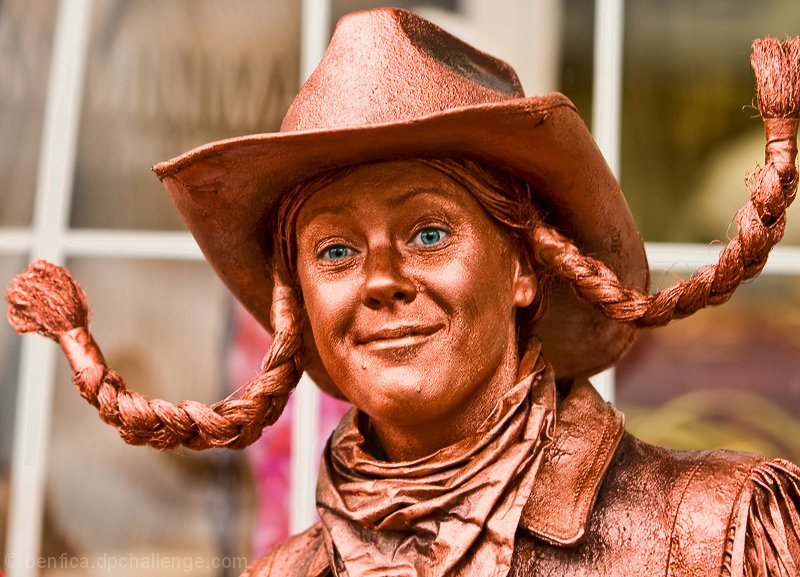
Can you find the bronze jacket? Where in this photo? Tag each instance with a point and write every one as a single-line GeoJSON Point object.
{"type": "Point", "coordinates": [606, 503]}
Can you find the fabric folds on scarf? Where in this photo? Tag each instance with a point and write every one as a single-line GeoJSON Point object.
{"type": "Point", "coordinates": [454, 512]}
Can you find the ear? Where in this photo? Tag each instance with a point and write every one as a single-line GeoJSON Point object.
{"type": "Point", "coordinates": [525, 285]}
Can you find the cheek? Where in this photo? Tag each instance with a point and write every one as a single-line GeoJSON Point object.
{"type": "Point", "coordinates": [478, 289]}
{"type": "Point", "coordinates": [328, 304]}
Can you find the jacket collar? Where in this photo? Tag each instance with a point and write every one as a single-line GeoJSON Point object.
{"type": "Point", "coordinates": [587, 433]}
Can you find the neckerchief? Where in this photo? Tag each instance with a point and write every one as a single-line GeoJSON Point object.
{"type": "Point", "coordinates": [454, 512]}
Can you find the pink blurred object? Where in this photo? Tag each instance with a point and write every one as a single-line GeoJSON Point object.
{"type": "Point", "coordinates": [270, 456]}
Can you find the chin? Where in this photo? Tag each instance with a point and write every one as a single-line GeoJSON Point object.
{"type": "Point", "coordinates": [401, 397]}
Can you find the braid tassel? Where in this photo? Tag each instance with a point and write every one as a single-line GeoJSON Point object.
{"type": "Point", "coordinates": [46, 299]}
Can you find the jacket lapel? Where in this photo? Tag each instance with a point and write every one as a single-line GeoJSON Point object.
{"type": "Point", "coordinates": [587, 433]}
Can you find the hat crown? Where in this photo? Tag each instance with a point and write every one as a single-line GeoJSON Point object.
{"type": "Point", "coordinates": [390, 65]}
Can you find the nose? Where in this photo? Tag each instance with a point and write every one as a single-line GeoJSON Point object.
{"type": "Point", "coordinates": [385, 282]}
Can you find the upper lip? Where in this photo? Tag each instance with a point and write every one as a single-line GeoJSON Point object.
{"type": "Point", "coordinates": [395, 332]}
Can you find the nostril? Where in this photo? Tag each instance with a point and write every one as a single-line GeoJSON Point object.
{"type": "Point", "coordinates": [387, 291]}
{"type": "Point", "coordinates": [376, 299]}
{"type": "Point", "coordinates": [372, 302]}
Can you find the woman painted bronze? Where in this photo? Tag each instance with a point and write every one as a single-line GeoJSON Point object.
{"type": "Point", "coordinates": [455, 259]}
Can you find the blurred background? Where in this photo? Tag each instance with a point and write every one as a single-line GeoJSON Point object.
{"type": "Point", "coordinates": [165, 76]}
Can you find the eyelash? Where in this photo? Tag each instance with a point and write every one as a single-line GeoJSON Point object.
{"type": "Point", "coordinates": [442, 234]}
{"type": "Point", "coordinates": [325, 253]}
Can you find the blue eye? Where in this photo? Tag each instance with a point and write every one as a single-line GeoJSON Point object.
{"type": "Point", "coordinates": [336, 252]}
{"type": "Point", "coordinates": [429, 236]}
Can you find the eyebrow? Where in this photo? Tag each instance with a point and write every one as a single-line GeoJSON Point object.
{"type": "Point", "coordinates": [395, 201]}
{"type": "Point", "coordinates": [416, 191]}
{"type": "Point", "coordinates": [334, 208]}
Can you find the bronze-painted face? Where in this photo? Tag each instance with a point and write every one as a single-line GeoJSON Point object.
{"type": "Point", "coordinates": [411, 291]}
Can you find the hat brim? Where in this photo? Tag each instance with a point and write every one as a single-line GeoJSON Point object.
{"type": "Point", "coordinates": [226, 192]}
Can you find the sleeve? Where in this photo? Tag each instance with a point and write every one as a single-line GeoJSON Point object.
{"type": "Point", "coordinates": [764, 535]}
{"type": "Point", "coordinates": [300, 556]}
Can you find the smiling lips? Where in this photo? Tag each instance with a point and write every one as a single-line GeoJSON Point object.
{"type": "Point", "coordinates": [396, 337]}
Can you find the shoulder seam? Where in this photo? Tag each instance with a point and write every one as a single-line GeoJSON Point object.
{"type": "Point", "coordinates": [673, 539]}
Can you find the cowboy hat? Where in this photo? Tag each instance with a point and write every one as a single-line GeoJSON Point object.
{"type": "Point", "coordinates": [392, 85]}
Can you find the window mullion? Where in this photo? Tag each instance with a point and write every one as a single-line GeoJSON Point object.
{"type": "Point", "coordinates": [606, 110]}
{"type": "Point", "coordinates": [314, 36]}
{"type": "Point", "coordinates": [51, 212]}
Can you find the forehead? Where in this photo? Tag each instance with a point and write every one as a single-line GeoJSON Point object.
{"type": "Point", "coordinates": [389, 185]}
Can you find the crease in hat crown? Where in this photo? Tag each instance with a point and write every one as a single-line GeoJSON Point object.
{"type": "Point", "coordinates": [389, 65]}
